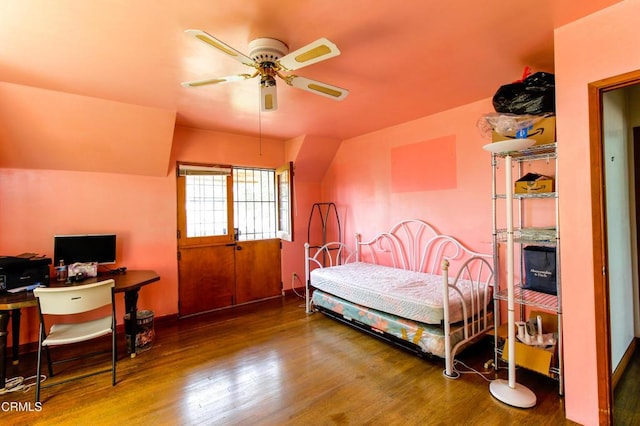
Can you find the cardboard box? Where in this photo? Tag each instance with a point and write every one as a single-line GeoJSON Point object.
{"type": "Point", "coordinates": [535, 358]}
{"type": "Point", "coordinates": [533, 183]}
{"type": "Point", "coordinates": [543, 131]}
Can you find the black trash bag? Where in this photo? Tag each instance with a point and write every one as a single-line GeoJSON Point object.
{"type": "Point", "coordinates": [535, 95]}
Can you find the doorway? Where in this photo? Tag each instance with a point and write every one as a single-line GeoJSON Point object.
{"type": "Point", "coordinates": [228, 223]}
{"type": "Point", "coordinates": [602, 159]}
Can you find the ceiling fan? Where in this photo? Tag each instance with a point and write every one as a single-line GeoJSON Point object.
{"type": "Point", "coordinates": [271, 58]}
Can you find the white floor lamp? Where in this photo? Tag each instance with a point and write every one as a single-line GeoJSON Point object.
{"type": "Point", "coordinates": [508, 391]}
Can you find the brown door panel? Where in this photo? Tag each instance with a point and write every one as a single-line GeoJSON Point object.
{"type": "Point", "coordinates": [207, 278]}
{"type": "Point", "coordinates": [258, 271]}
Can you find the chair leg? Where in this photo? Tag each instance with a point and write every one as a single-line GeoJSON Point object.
{"type": "Point", "coordinates": [114, 341]}
{"type": "Point", "coordinates": [38, 367]}
{"type": "Point", "coordinates": [114, 355]}
{"type": "Point", "coordinates": [49, 363]}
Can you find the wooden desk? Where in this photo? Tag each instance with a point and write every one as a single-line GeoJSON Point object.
{"type": "Point", "coordinates": [128, 283]}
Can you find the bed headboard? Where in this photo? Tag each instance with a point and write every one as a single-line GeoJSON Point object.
{"type": "Point", "coordinates": [413, 245]}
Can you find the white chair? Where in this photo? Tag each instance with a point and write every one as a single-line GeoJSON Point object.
{"type": "Point", "coordinates": [70, 301]}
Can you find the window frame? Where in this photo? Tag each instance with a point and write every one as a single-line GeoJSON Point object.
{"type": "Point", "coordinates": [284, 202]}
{"type": "Point", "coordinates": [255, 201]}
{"type": "Point", "coordinates": [183, 240]}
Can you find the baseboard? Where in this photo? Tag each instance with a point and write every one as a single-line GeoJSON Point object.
{"type": "Point", "coordinates": [296, 291]}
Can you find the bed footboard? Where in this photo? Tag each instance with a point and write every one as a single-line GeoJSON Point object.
{"type": "Point", "coordinates": [477, 273]}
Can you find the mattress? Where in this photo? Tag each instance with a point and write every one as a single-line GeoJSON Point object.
{"type": "Point", "coordinates": [412, 295]}
{"type": "Point", "coordinates": [429, 337]}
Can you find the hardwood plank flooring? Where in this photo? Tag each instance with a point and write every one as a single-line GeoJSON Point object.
{"type": "Point", "coordinates": [271, 364]}
{"type": "Point", "coordinates": [626, 405]}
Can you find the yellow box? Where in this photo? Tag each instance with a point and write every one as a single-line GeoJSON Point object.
{"type": "Point", "coordinates": [543, 131]}
{"type": "Point", "coordinates": [533, 183]}
{"type": "Point", "coordinates": [538, 359]}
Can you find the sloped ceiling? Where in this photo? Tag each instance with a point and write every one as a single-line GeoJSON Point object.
{"type": "Point", "coordinates": [400, 60]}
{"type": "Point", "coordinates": [45, 129]}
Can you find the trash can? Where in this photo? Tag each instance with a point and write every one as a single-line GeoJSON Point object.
{"type": "Point", "coordinates": [145, 332]}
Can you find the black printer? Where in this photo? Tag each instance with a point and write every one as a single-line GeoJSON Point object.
{"type": "Point", "coordinates": [21, 273]}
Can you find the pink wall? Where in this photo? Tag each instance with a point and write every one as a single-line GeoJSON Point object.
{"type": "Point", "coordinates": [359, 180]}
{"type": "Point", "coordinates": [311, 156]}
{"type": "Point", "coordinates": [602, 45]}
{"type": "Point", "coordinates": [304, 195]}
{"type": "Point", "coordinates": [224, 148]}
{"type": "Point", "coordinates": [37, 204]}
{"type": "Point", "coordinates": [141, 210]}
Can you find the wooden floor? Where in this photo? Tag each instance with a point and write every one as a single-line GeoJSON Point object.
{"type": "Point", "coordinates": [272, 364]}
{"type": "Point", "coordinates": [626, 408]}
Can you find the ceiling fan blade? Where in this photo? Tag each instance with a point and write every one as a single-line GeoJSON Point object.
{"type": "Point", "coordinates": [222, 47]}
{"type": "Point", "coordinates": [317, 87]}
{"type": "Point", "coordinates": [218, 80]}
{"type": "Point", "coordinates": [317, 51]}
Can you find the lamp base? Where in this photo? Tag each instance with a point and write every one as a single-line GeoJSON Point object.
{"type": "Point", "coordinates": [520, 396]}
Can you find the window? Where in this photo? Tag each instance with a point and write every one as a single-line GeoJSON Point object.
{"type": "Point", "coordinates": [254, 203]}
{"type": "Point", "coordinates": [284, 186]}
{"type": "Point", "coordinates": [224, 203]}
{"type": "Point", "coordinates": [206, 206]}
{"type": "Point", "coordinates": [204, 193]}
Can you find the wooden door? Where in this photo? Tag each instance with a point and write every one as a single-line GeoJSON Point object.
{"type": "Point", "coordinates": [258, 271]}
{"type": "Point", "coordinates": [215, 270]}
{"type": "Point", "coordinates": [218, 276]}
{"type": "Point", "coordinates": [207, 278]}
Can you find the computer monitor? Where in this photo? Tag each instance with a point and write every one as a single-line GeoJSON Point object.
{"type": "Point", "coordinates": [99, 248]}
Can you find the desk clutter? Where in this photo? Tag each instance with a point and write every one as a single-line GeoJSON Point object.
{"type": "Point", "coordinates": [140, 331]}
{"type": "Point", "coordinates": [27, 271]}
{"type": "Point", "coordinates": [76, 271]}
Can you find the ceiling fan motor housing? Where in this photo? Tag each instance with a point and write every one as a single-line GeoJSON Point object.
{"type": "Point", "coordinates": [264, 50]}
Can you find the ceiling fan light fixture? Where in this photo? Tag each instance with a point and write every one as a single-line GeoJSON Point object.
{"type": "Point", "coordinates": [268, 93]}
{"type": "Point", "coordinates": [267, 80]}
{"type": "Point", "coordinates": [269, 102]}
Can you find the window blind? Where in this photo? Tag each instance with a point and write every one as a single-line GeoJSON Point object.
{"type": "Point", "coordinates": [192, 170]}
